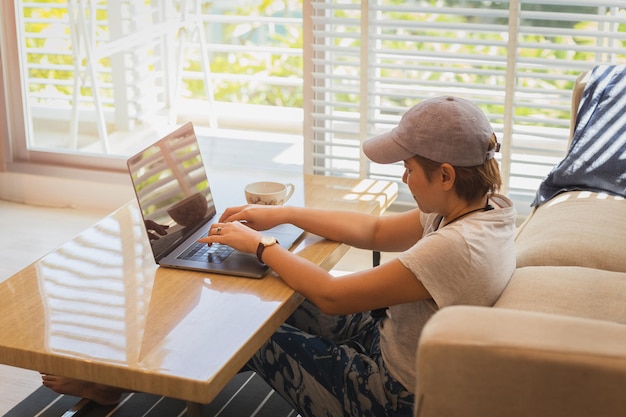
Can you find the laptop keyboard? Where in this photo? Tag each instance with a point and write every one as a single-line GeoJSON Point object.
{"type": "Point", "coordinates": [214, 254]}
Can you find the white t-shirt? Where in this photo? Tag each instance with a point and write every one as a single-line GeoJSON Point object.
{"type": "Point", "coordinates": [466, 262]}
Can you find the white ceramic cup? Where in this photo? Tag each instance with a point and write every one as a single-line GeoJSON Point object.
{"type": "Point", "coordinates": [268, 193]}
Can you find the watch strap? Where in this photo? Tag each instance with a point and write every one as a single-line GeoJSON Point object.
{"type": "Point", "coordinates": [261, 248]}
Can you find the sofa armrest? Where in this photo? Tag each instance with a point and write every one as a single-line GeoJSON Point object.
{"type": "Point", "coordinates": [485, 362]}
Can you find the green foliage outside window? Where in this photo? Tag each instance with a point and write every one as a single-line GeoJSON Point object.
{"type": "Point", "coordinates": [51, 63]}
{"type": "Point", "coordinates": [257, 64]}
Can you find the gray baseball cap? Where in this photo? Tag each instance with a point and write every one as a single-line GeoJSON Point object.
{"type": "Point", "coordinates": [442, 129]}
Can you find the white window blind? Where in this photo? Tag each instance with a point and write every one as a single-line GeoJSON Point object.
{"type": "Point", "coordinates": [367, 62]}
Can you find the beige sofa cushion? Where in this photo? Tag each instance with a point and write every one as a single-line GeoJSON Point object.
{"type": "Point", "coordinates": [568, 290]}
{"type": "Point", "coordinates": [578, 228]}
{"type": "Point", "coordinates": [494, 362]}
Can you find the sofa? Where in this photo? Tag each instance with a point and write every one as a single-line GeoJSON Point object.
{"type": "Point", "coordinates": [554, 344]}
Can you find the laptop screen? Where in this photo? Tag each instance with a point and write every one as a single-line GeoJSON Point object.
{"type": "Point", "coordinates": [172, 189]}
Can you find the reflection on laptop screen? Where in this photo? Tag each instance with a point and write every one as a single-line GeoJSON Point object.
{"type": "Point", "coordinates": [172, 189]}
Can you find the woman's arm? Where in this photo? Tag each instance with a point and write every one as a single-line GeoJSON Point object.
{"type": "Point", "coordinates": [390, 233]}
{"type": "Point", "coordinates": [388, 284]}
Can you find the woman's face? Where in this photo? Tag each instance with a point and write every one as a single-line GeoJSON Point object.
{"type": "Point", "coordinates": [423, 190]}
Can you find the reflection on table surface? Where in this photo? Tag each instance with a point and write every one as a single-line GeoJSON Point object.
{"type": "Point", "coordinates": [98, 307]}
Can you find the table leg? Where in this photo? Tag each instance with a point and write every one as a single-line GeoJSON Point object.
{"type": "Point", "coordinates": [379, 312]}
{"type": "Point", "coordinates": [194, 409]}
{"type": "Point", "coordinates": [375, 258]}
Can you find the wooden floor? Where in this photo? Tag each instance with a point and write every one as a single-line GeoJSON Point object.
{"type": "Point", "coordinates": [28, 233]}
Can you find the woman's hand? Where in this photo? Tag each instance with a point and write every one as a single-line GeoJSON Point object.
{"type": "Point", "coordinates": [234, 234]}
{"type": "Point", "coordinates": [258, 217]}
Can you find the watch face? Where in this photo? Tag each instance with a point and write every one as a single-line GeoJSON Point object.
{"type": "Point", "coordinates": [267, 241]}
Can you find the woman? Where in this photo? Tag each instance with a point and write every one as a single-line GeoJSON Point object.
{"type": "Point", "coordinates": [332, 357]}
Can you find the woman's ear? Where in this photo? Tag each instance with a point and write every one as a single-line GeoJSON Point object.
{"type": "Point", "coordinates": [448, 176]}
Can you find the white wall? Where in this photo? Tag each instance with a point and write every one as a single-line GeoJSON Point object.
{"type": "Point", "coordinates": [74, 192]}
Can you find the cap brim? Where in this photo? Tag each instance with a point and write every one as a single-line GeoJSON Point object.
{"type": "Point", "coordinates": [384, 149]}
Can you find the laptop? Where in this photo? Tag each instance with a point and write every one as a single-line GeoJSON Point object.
{"type": "Point", "coordinates": [178, 208]}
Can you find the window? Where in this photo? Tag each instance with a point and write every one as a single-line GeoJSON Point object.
{"type": "Point", "coordinates": [327, 73]}
{"type": "Point", "coordinates": [368, 62]}
{"type": "Point", "coordinates": [99, 78]}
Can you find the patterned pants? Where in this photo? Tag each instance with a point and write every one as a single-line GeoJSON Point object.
{"type": "Point", "coordinates": [331, 366]}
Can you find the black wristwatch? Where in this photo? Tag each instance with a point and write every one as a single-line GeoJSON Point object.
{"type": "Point", "coordinates": [264, 243]}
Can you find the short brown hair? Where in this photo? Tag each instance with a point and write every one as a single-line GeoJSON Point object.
{"type": "Point", "coordinates": [471, 182]}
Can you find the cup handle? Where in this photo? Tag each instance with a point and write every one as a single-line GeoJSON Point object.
{"type": "Point", "coordinates": [290, 189]}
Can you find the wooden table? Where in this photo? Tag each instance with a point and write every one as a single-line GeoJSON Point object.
{"type": "Point", "coordinates": [99, 309]}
